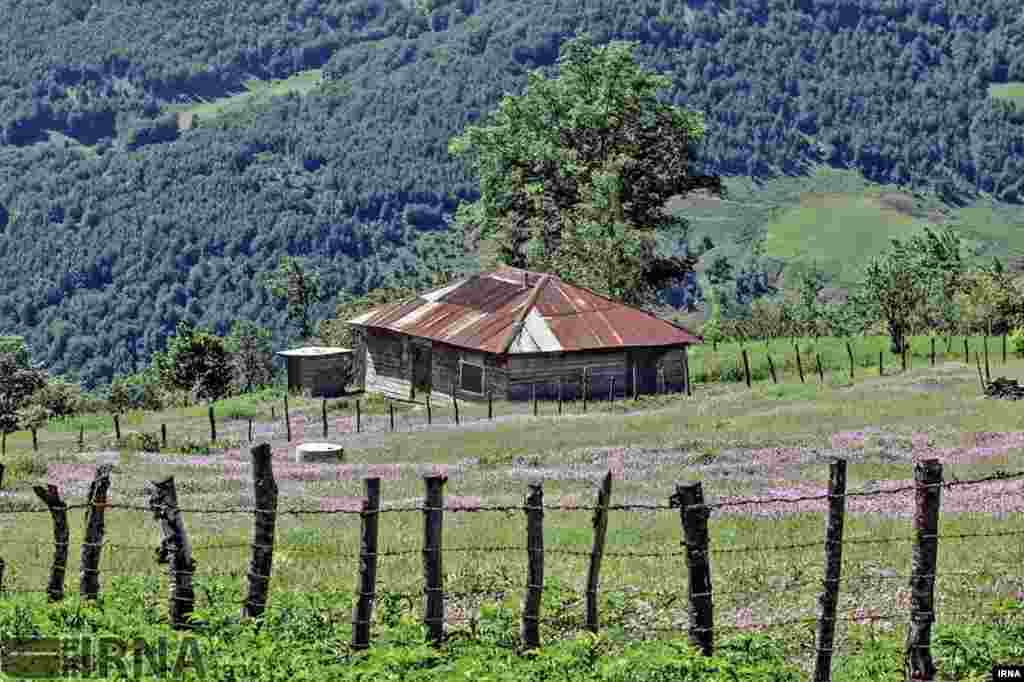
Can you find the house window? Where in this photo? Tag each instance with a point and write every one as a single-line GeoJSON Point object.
{"type": "Point", "coordinates": [471, 375]}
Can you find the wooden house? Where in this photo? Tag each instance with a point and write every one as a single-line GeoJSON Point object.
{"type": "Point", "coordinates": [511, 332]}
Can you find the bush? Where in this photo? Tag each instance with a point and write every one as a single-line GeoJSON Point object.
{"type": "Point", "coordinates": [1017, 341]}
{"type": "Point", "coordinates": [62, 398]}
{"type": "Point", "coordinates": [141, 442]}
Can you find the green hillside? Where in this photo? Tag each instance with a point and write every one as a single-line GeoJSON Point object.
{"type": "Point", "coordinates": [323, 132]}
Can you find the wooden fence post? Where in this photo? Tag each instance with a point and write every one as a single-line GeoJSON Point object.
{"type": "Point", "coordinates": [250, 429]}
{"type": "Point", "coordinates": [163, 435]}
{"type": "Point", "coordinates": [988, 375]}
{"type": "Point", "coordinates": [829, 596]}
{"type": "Point", "coordinates": [686, 371]}
{"type": "Point", "coordinates": [175, 550]}
{"type": "Point", "coordinates": [771, 368]}
{"type": "Point", "coordinates": [799, 364]}
{"type": "Point", "coordinates": [967, 353]}
{"type": "Point", "coordinates": [391, 414]}
{"type": "Point", "coordinates": [89, 580]}
{"type": "Point", "coordinates": [918, 663]}
{"type": "Point", "coordinates": [600, 524]}
{"type": "Point", "coordinates": [746, 367]}
{"type": "Point", "coordinates": [689, 497]}
{"type": "Point", "coordinates": [81, 437]}
{"type": "Point", "coordinates": [611, 391]}
{"type": "Point", "coordinates": [213, 424]}
{"type": "Point", "coordinates": [534, 508]}
{"type": "Point", "coordinates": [359, 417]}
{"type": "Point", "coordinates": [584, 386]}
{"type": "Point", "coordinates": [323, 413]}
{"type": "Point", "coordinates": [1004, 348]}
{"type": "Point", "coordinates": [490, 404]}
{"type": "Point", "coordinates": [264, 521]}
{"type": "Point", "coordinates": [433, 577]}
{"type": "Point", "coordinates": [849, 351]}
{"type": "Point", "coordinates": [117, 427]}
{"type": "Point", "coordinates": [636, 387]}
{"type": "Point", "coordinates": [273, 414]}
{"type": "Point", "coordinates": [1, 476]}
{"type": "Point", "coordinates": [821, 374]}
{"type": "Point", "coordinates": [429, 417]}
{"type": "Point", "coordinates": [50, 496]}
{"type": "Point", "coordinates": [880, 371]}
{"type": "Point", "coordinates": [533, 389]}
{"type": "Point", "coordinates": [2, 576]}
{"type": "Point", "coordinates": [662, 388]}
{"type": "Point", "coordinates": [455, 404]}
{"type": "Point", "coordinates": [933, 352]}
{"type": "Point", "coordinates": [559, 396]}
{"type": "Point", "coordinates": [981, 380]}
{"type": "Point", "coordinates": [288, 419]}
{"type": "Point", "coordinates": [366, 586]}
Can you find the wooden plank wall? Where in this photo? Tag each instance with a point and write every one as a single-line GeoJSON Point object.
{"type": "Point", "coordinates": [388, 365]}
{"type": "Point", "coordinates": [322, 376]}
{"type": "Point", "coordinates": [545, 370]}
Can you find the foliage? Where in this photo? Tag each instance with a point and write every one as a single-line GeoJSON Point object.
{"type": "Point", "coordinates": [119, 398]}
{"type": "Point", "coordinates": [196, 361]}
{"type": "Point", "coordinates": [140, 441]}
{"type": "Point", "coordinates": [1016, 340]}
{"type": "Point", "coordinates": [252, 355]}
{"type": "Point", "coordinates": [61, 397]}
{"type": "Point", "coordinates": [33, 416]}
{"type": "Point", "coordinates": [17, 385]}
{"type": "Point", "coordinates": [574, 173]}
{"type": "Point", "coordinates": [299, 287]}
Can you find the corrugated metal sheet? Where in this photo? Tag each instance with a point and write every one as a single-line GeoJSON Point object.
{"type": "Point", "coordinates": [479, 313]}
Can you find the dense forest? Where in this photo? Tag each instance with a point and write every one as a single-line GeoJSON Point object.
{"type": "Point", "coordinates": [115, 225]}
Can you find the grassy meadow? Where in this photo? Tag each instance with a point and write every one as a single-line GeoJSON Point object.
{"type": "Point", "coordinates": [256, 92]}
{"type": "Point", "coordinates": [771, 441]}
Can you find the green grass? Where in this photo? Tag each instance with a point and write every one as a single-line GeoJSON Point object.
{"type": "Point", "coordinates": [718, 431]}
{"type": "Point", "coordinates": [257, 92]}
{"type": "Point", "coordinates": [1010, 92]}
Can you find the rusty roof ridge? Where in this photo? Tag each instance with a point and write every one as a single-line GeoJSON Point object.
{"type": "Point", "coordinates": [517, 326]}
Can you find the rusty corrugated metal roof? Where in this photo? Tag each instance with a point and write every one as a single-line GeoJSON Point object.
{"type": "Point", "coordinates": [480, 312]}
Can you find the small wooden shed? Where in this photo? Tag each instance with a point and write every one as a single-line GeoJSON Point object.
{"type": "Point", "coordinates": [511, 331]}
{"type": "Point", "coordinates": [323, 370]}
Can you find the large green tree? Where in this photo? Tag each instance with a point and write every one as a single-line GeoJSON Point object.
{"type": "Point", "coordinates": [575, 173]}
{"type": "Point", "coordinates": [252, 354]}
{"type": "Point", "coordinates": [196, 361]}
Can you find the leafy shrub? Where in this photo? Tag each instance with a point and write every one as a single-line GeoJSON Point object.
{"type": "Point", "coordinates": [139, 441]}
{"type": "Point", "coordinates": [62, 398]}
{"type": "Point", "coordinates": [1017, 341]}
{"type": "Point", "coordinates": [193, 447]}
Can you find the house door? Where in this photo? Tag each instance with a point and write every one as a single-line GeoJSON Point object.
{"type": "Point", "coordinates": [421, 360]}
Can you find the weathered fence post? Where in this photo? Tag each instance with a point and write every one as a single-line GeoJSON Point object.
{"type": "Point", "coordinates": [1, 476]}
{"type": "Point", "coordinates": [250, 429]}
{"type": "Point", "coordinates": [880, 371]}
{"type": "Point", "coordinates": [799, 364]}
{"type": "Point", "coordinates": [490, 404]}
{"type": "Point", "coordinates": [662, 388]}
{"type": "Point", "coordinates": [175, 551]}
{"type": "Point", "coordinates": [636, 386]}
{"type": "Point", "coordinates": [367, 584]}
{"type": "Point", "coordinates": [2, 564]}
{"type": "Point", "coordinates": [849, 351]}
{"type": "Point", "coordinates": [1004, 348]}
{"type": "Point", "coordinates": [600, 524]}
{"type": "Point", "coordinates": [686, 371]}
{"type": "Point", "coordinates": [829, 596]}
{"type": "Point", "coordinates": [359, 417]}
{"type": "Point", "coordinates": [89, 579]}
{"type": "Point", "coordinates": [821, 374]}
{"type": "Point", "coordinates": [455, 404]}
{"type": "Point", "coordinates": [117, 427]}
{"type": "Point", "coordinates": [559, 396]}
{"type": "Point", "coordinates": [391, 414]}
{"type": "Point", "coordinates": [163, 435]}
{"type": "Point", "coordinates": [533, 389]}
{"type": "Point", "coordinates": [534, 508]}
{"type": "Point", "coordinates": [429, 416]}
{"type": "Point", "coordinates": [771, 368]}
{"type": "Point", "coordinates": [433, 577]}
{"type": "Point", "coordinates": [288, 419]}
{"type": "Point", "coordinates": [584, 386]}
{"type": "Point", "coordinates": [213, 424]}
{"type": "Point", "coordinates": [264, 521]}
{"type": "Point", "coordinates": [273, 414]}
{"type": "Point", "coordinates": [50, 496]}
{"type": "Point", "coordinates": [746, 367]}
{"type": "Point", "coordinates": [689, 497]}
{"type": "Point", "coordinates": [981, 380]}
{"type": "Point", "coordinates": [967, 353]}
{"type": "Point", "coordinates": [611, 391]}
{"type": "Point", "coordinates": [918, 663]}
{"type": "Point", "coordinates": [323, 414]}
{"type": "Point", "coordinates": [988, 375]}
{"type": "Point", "coordinates": [81, 437]}
{"type": "Point", "coordinates": [933, 352]}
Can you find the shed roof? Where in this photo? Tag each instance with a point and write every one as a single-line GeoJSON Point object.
{"type": "Point", "coordinates": [314, 351]}
{"type": "Point", "coordinates": [519, 311]}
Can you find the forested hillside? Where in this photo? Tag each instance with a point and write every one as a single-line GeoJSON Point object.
{"type": "Point", "coordinates": [115, 224]}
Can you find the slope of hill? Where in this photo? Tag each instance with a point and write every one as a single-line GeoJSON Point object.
{"type": "Point", "coordinates": [104, 248]}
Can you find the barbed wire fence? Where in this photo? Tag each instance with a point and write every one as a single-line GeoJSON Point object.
{"type": "Point", "coordinates": [692, 613]}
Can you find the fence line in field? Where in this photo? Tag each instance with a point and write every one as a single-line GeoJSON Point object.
{"type": "Point", "coordinates": [687, 500]}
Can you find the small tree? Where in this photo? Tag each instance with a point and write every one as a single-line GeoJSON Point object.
{"type": "Point", "coordinates": [300, 287]}
{"type": "Point", "coordinates": [251, 354]}
{"type": "Point", "coordinates": [17, 384]}
{"type": "Point", "coordinates": [33, 416]}
{"type": "Point", "coordinates": [196, 361]}
{"type": "Point", "coordinates": [61, 397]}
{"type": "Point", "coordinates": [120, 399]}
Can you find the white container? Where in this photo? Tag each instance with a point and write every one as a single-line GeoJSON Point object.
{"type": "Point", "coordinates": [319, 452]}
